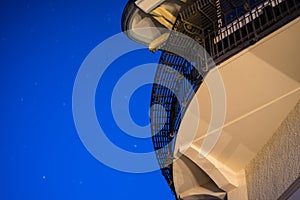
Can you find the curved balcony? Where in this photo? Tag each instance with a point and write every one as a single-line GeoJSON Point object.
{"type": "Point", "coordinates": [224, 28]}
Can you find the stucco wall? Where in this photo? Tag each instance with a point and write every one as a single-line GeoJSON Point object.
{"type": "Point", "coordinates": [277, 165]}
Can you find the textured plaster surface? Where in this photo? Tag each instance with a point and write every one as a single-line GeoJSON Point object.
{"type": "Point", "coordinates": [277, 165]}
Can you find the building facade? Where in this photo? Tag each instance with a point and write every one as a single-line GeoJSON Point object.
{"type": "Point", "coordinates": [229, 82]}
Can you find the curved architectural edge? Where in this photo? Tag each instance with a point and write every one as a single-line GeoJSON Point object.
{"type": "Point", "coordinates": [159, 15]}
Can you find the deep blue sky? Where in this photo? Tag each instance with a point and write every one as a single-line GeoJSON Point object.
{"type": "Point", "coordinates": [42, 45]}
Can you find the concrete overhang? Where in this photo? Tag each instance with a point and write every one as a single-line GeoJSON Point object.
{"type": "Point", "coordinates": [262, 85]}
{"type": "Point", "coordinates": [149, 21]}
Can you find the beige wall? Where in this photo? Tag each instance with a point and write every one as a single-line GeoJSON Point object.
{"type": "Point", "coordinates": [277, 165]}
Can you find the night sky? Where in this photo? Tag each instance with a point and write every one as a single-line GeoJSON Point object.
{"type": "Point", "coordinates": [42, 46]}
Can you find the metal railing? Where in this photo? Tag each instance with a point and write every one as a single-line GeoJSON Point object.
{"type": "Point", "coordinates": [165, 122]}
{"type": "Point", "coordinates": [225, 27]}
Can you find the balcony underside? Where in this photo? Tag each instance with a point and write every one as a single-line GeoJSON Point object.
{"type": "Point", "coordinates": [262, 86]}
